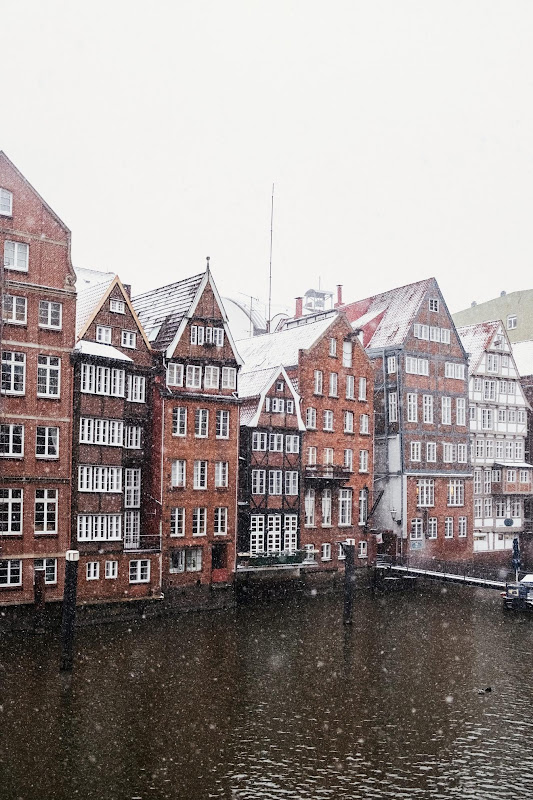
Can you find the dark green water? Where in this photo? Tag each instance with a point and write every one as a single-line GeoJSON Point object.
{"type": "Point", "coordinates": [278, 701]}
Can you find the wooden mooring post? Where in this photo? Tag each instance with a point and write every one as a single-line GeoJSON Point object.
{"type": "Point", "coordinates": [68, 620]}
{"type": "Point", "coordinates": [349, 581]}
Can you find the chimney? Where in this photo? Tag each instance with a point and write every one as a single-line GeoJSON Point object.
{"type": "Point", "coordinates": [299, 306]}
{"type": "Point", "coordinates": [127, 289]}
{"type": "Point", "coordinates": [339, 295]}
{"type": "Point", "coordinates": [502, 294]}
{"type": "Point", "coordinates": [473, 303]}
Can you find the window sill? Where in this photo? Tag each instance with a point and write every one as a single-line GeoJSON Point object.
{"type": "Point", "coordinates": [50, 328]}
{"type": "Point", "coordinates": [16, 457]}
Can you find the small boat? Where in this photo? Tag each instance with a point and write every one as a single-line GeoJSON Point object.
{"type": "Point", "coordinates": [520, 594]}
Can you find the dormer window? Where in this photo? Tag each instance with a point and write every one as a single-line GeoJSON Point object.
{"type": "Point", "coordinates": [118, 306]}
{"type": "Point", "coordinates": [197, 334]}
{"type": "Point", "coordinates": [433, 304]}
{"type": "Point", "coordinates": [280, 385]}
{"type": "Point", "coordinates": [6, 202]}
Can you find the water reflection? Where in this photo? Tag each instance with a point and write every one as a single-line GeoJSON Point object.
{"type": "Point", "coordinates": [277, 701]}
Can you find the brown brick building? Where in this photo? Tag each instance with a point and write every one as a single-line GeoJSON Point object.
{"type": "Point", "coordinates": [37, 337]}
{"type": "Point", "coordinates": [421, 433]}
{"type": "Point", "coordinates": [334, 379]}
{"type": "Point", "coordinates": [112, 510]}
{"type": "Point", "coordinates": [195, 431]}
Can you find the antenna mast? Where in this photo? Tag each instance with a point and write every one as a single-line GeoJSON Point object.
{"type": "Point", "coordinates": [270, 265]}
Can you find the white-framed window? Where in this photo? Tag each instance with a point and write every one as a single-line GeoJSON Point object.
{"type": "Point", "coordinates": [425, 489]}
{"type": "Point", "coordinates": [11, 511]}
{"type": "Point", "coordinates": [200, 475]}
{"type": "Point", "coordinates": [136, 389]}
{"type": "Point", "coordinates": [259, 441]}
{"type": "Point", "coordinates": [45, 520]}
{"type": "Point", "coordinates": [257, 534]}
{"type": "Point", "coordinates": [328, 420]}
{"type": "Point", "coordinates": [178, 476]}
{"type": "Point", "coordinates": [177, 521]}
{"type": "Point", "coordinates": [92, 570]}
{"type": "Point", "coordinates": [221, 474]}
{"type": "Point", "coordinates": [350, 387]}
{"type": "Point", "coordinates": [427, 409]}
{"type": "Point", "coordinates": [193, 377]}
{"type": "Point", "coordinates": [460, 411]}
{"type": "Point", "coordinates": [362, 549]}
{"type": "Point", "coordinates": [362, 388]}
{"type": "Point", "coordinates": [433, 304]}
{"type": "Point", "coordinates": [326, 508]}
{"type": "Point", "coordinates": [348, 422]}
{"type": "Point", "coordinates": [363, 506]}
{"type": "Point", "coordinates": [348, 459]}
{"type": "Point", "coordinates": [6, 202]}
{"type": "Point", "coordinates": [462, 453]}
{"type": "Point", "coordinates": [48, 376]}
{"type": "Point", "coordinates": [211, 377]}
{"type": "Point", "coordinates": [325, 551]}
{"type": "Point", "coordinates": [333, 384]}
{"type": "Point", "coordinates": [275, 481]}
{"type": "Point", "coordinates": [487, 419]}
{"type": "Point", "coordinates": [416, 366]}
{"type": "Point", "coordinates": [448, 527]}
{"type": "Point", "coordinates": [487, 507]}
{"type": "Point", "coordinates": [391, 365]}
{"type": "Point", "coordinates": [175, 374]}
{"type": "Point", "coordinates": [456, 492]}
{"type": "Point", "coordinates": [13, 372]}
{"type": "Point", "coordinates": [347, 352]}
{"type": "Point", "coordinates": [309, 506]}
{"type": "Point", "coordinates": [432, 527]}
{"type": "Point", "coordinates": [487, 481]}
{"type": "Point", "coordinates": [416, 451]}
{"type": "Point", "coordinates": [289, 406]}
{"type": "Point", "coordinates": [421, 331]}
{"type": "Point", "coordinates": [16, 256]}
{"type": "Point", "coordinates": [11, 572]}
{"type": "Point", "coordinates": [99, 527]}
{"type": "Point", "coordinates": [229, 378]}
{"type": "Point", "coordinates": [393, 407]}
{"type": "Point", "coordinates": [50, 315]}
{"type": "Point", "coordinates": [277, 405]}
{"type": "Point", "coordinates": [273, 533]}
{"type": "Point", "coordinates": [111, 570]}
{"type": "Point", "coordinates": [222, 425]}
{"type": "Point", "coordinates": [454, 370]}
{"type": "Point", "coordinates": [462, 527]}
{"type": "Point", "coordinates": [48, 566]}
{"type": "Point", "coordinates": [201, 423]}
{"type": "Point", "coordinates": [524, 476]}
{"type": "Point", "coordinates": [417, 529]}
{"type": "Point", "coordinates": [99, 479]}
{"type": "Point", "coordinates": [290, 533]}
{"type": "Point", "coordinates": [102, 380]}
{"type": "Point", "coordinates": [129, 339]}
{"type": "Point", "coordinates": [103, 334]}
{"type": "Point", "coordinates": [14, 309]}
{"type": "Point", "coordinates": [310, 418]}
{"type": "Point", "coordinates": [132, 488]}
{"type": "Point", "coordinates": [364, 423]}
{"type": "Point", "coordinates": [341, 555]}
{"type": "Point", "coordinates": [186, 560]}
{"type": "Point", "coordinates": [292, 443]}
{"type": "Point", "coordinates": [140, 570]}
{"type": "Point", "coordinates": [431, 451]}
{"type": "Point", "coordinates": [258, 481]}
{"type": "Point", "coordinates": [493, 362]}
{"type": "Point", "coordinates": [132, 530]}
{"type": "Point", "coordinates": [311, 456]}
{"type": "Point", "coordinates": [332, 347]}
{"type": "Point", "coordinates": [46, 442]}
{"type": "Point", "coordinates": [95, 430]}
{"type": "Point", "coordinates": [291, 482]}
{"type": "Point", "coordinates": [221, 521]}
{"type": "Point", "coordinates": [318, 381]}
{"type": "Point", "coordinates": [199, 521]}
{"type": "Point", "coordinates": [275, 442]}
{"type": "Point", "coordinates": [448, 452]}
{"type": "Point", "coordinates": [512, 322]}
{"type": "Point", "coordinates": [412, 407]}
{"type": "Point", "coordinates": [345, 506]}
{"type": "Point", "coordinates": [179, 421]}
{"type": "Point", "coordinates": [11, 441]}
{"type": "Point", "coordinates": [328, 454]}
{"type": "Point", "coordinates": [363, 460]}
{"type": "Point", "coordinates": [118, 306]}
{"type": "Point", "coordinates": [197, 334]}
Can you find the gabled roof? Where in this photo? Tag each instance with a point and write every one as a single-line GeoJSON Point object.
{"type": "Point", "coordinates": [476, 339]}
{"type": "Point", "coordinates": [272, 349]}
{"type": "Point", "coordinates": [36, 193]}
{"type": "Point", "coordinates": [253, 388]}
{"type": "Point", "coordinates": [162, 310]}
{"type": "Point", "coordinates": [385, 318]}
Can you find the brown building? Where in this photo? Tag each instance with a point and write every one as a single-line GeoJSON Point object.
{"type": "Point", "coordinates": [112, 510]}
{"type": "Point", "coordinates": [422, 471]}
{"type": "Point", "coordinates": [37, 337]}
{"type": "Point", "coordinates": [195, 431]}
{"type": "Point", "coordinates": [334, 379]}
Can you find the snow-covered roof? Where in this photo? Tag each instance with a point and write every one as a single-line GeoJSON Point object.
{"type": "Point", "coordinates": [397, 307]}
{"type": "Point", "coordinates": [272, 349]}
{"type": "Point", "coordinates": [523, 356]}
{"type": "Point", "coordinates": [253, 388]}
{"type": "Point", "coordinates": [164, 308]}
{"type": "Point", "coordinates": [251, 384]}
{"type": "Point", "coordinates": [90, 294]}
{"type": "Point", "coordinates": [101, 350]}
{"type": "Point", "coordinates": [475, 340]}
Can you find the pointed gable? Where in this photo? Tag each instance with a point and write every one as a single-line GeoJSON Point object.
{"type": "Point", "coordinates": [254, 387]}
{"type": "Point", "coordinates": [476, 339]}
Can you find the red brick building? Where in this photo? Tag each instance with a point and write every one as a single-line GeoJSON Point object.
{"type": "Point", "coordinates": [37, 337]}
{"type": "Point", "coordinates": [334, 379]}
{"type": "Point", "coordinates": [195, 431]}
{"type": "Point", "coordinates": [269, 509]}
{"type": "Point", "coordinates": [112, 511]}
{"type": "Point", "coordinates": [422, 465]}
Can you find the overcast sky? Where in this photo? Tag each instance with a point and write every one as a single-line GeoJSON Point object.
{"type": "Point", "coordinates": [398, 135]}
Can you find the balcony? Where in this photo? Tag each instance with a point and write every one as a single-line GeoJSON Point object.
{"type": "Point", "coordinates": [322, 475]}
{"type": "Point", "coordinates": [259, 561]}
{"type": "Point", "coordinates": [145, 543]}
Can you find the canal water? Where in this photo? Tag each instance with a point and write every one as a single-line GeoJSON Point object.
{"type": "Point", "coordinates": [278, 700]}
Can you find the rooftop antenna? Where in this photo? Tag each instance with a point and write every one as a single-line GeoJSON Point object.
{"type": "Point", "coordinates": [270, 266]}
{"type": "Point", "coordinates": [207, 258]}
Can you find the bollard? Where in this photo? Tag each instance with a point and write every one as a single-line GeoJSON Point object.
{"type": "Point", "coordinates": [68, 620]}
{"type": "Point", "coordinates": [38, 600]}
{"type": "Point", "coordinates": [349, 581]}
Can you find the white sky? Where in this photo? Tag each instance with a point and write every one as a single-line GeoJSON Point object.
{"type": "Point", "coordinates": [398, 136]}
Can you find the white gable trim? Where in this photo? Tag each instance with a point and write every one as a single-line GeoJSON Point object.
{"type": "Point", "coordinates": [280, 373]}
